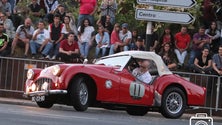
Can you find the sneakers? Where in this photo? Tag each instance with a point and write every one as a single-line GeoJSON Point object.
{"type": "Point", "coordinates": [48, 57]}
{"type": "Point", "coordinates": [53, 58]}
{"type": "Point", "coordinates": [85, 61]}
{"type": "Point", "coordinates": [42, 57]}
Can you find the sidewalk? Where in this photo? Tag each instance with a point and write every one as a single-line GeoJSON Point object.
{"type": "Point", "coordinates": [26, 102]}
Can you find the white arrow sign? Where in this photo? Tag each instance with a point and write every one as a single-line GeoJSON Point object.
{"type": "Point", "coordinates": [176, 3]}
{"type": "Point", "coordinates": [164, 16]}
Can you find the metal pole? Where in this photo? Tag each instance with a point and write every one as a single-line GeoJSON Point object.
{"type": "Point", "coordinates": [218, 93]}
{"type": "Point", "coordinates": [148, 33]}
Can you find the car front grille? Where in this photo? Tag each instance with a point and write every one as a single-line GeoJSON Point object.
{"type": "Point", "coordinates": [41, 81]}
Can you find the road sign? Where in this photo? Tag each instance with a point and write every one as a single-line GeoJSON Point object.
{"type": "Point", "coordinates": [164, 16]}
{"type": "Point", "coordinates": [175, 3]}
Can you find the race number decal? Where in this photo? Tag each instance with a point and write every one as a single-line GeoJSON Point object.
{"type": "Point", "coordinates": [136, 90]}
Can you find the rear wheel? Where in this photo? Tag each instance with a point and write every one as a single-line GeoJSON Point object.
{"type": "Point", "coordinates": [137, 111]}
{"type": "Point", "coordinates": [80, 94]}
{"type": "Point", "coordinates": [173, 103]}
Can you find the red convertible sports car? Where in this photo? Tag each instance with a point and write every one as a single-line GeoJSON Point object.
{"type": "Point", "coordinates": [109, 82]}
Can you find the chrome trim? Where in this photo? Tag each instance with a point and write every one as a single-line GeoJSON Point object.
{"type": "Point", "coordinates": [157, 99]}
{"type": "Point", "coordinates": [47, 92]}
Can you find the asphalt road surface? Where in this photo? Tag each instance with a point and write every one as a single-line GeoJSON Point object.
{"type": "Point", "coordinates": [66, 115]}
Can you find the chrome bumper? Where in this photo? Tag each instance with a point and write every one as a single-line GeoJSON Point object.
{"type": "Point", "coordinates": [48, 92]}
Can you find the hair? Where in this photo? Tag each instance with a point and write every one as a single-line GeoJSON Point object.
{"type": "Point", "coordinates": [82, 28]}
{"type": "Point", "coordinates": [56, 15]}
{"type": "Point", "coordinates": [68, 17]}
{"type": "Point", "coordinates": [1, 24]}
{"type": "Point", "coordinates": [42, 22]}
{"type": "Point", "coordinates": [71, 33]}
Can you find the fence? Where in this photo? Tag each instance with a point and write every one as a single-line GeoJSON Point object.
{"type": "Point", "coordinates": [13, 75]}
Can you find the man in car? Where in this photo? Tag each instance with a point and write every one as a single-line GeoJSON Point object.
{"type": "Point", "coordinates": [142, 72]}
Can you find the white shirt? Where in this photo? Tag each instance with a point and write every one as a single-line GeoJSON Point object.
{"type": "Point", "coordinates": [125, 36]}
{"type": "Point", "coordinates": [40, 38]}
{"type": "Point", "coordinates": [87, 34]}
{"type": "Point", "coordinates": [144, 77]}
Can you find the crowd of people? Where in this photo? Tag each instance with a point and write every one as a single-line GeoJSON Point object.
{"type": "Point", "coordinates": [69, 40]}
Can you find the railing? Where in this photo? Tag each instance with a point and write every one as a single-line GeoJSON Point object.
{"type": "Point", "coordinates": [13, 75]}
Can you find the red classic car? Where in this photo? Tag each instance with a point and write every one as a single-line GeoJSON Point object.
{"type": "Point", "coordinates": [109, 82]}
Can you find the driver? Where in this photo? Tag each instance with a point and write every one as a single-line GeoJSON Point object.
{"type": "Point", "coordinates": [142, 72]}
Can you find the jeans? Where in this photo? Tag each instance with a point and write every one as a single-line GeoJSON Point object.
{"type": "Point", "coordinates": [180, 56]}
{"type": "Point", "coordinates": [34, 46]}
{"type": "Point", "coordinates": [98, 50]}
{"type": "Point", "coordinates": [84, 16]}
{"type": "Point", "coordinates": [111, 51]}
{"type": "Point", "coordinates": [55, 49]}
{"type": "Point", "coordinates": [84, 49]}
{"type": "Point", "coordinates": [193, 55]}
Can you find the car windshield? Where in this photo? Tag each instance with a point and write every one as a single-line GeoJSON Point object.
{"type": "Point", "coordinates": [119, 61]}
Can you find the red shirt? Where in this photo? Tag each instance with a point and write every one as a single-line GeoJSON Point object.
{"type": "Point", "coordinates": [66, 47]}
{"type": "Point", "coordinates": [182, 40]}
{"type": "Point", "coordinates": [87, 6]}
{"type": "Point", "coordinates": [115, 37]}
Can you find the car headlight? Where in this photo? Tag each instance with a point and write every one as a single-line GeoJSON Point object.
{"type": "Point", "coordinates": [56, 70]}
{"type": "Point", "coordinates": [30, 74]}
{"type": "Point", "coordinates": [33, 87]}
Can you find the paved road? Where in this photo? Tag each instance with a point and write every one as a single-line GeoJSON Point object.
{"type": "Point", "coordinates": [64, 115]}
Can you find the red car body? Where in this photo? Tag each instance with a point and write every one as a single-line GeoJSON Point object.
{"type": "Point", "coordinates": [114, 85]}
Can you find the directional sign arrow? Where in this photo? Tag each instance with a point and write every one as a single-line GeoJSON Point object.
{"type": "Point", "coordinates": [175, 3]}
{"type": "Point", "coordinates": [164, 16]}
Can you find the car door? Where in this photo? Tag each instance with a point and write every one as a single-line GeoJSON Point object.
{"type": "Point", "coordinates": [133, 91]}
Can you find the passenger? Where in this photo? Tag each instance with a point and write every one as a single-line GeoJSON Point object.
{"type": "Point", "coordinates": [142, 72]}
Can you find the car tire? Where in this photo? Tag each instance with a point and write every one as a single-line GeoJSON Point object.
{"type": "Point", "coordinates": [173, 103]}
{"type": "Point", "coordinates": [137, 111]}
{"type": "Point", "coordinates": [80, 94]}
{"type": "Point", "coordinates": [45, 104]}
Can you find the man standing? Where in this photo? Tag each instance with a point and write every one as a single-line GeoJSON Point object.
{"type": "Point", "coordinates": [69, 49]}
{"type": "Point", "coordinates": [23, 34]}
{"type": "Point", "coordinates": [4, 49]}
{"type": "Point", "coordinates": [87, 9]}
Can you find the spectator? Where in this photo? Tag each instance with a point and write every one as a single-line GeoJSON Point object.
{"type": "Point", "coordinates": [106, 24]}
{"type": "Point", "coordinates": [103, 40]}
{"type": "Point", "coordinates": [154, 40]}
{"type": "Point", "coordinates": [50, 6]}
{"type": "Point", "coordinates": [208, 12]}
{"type": "Point", "coordinates": [132, 44]}
{"type": "Point", "coordinates": [217, 62]}
{"type": "Point", "coordinates": [182, 41]}
{"type": "Point", "coordinates": [200, 40]}
{"type": "Point", "coordinates": [125, 36]}
{"type": "Point", "coordinates": [166, 37]}
{"type": "Point", "coordinates": [70, 26]}
{"type": "Point", "coordinates": [60, 10]}
{"type": "Point", "coordinates": [40, 41]}
{"type": "Point", "coordinates": [214, 35]}
{"type": "Point", "coordinates": [203, 62]}
{"type": "Point", "coordinates": [85, 37]}
{"type": "Point", "coordinates": [139, 45]}
{"type": "Point", "coordinates": [35, 12]}
{"type": "Point", "coordinates": [8, 27]}
{"type": "Point", "coordinates": [109, 7]}
{"type": "Point", "coordinates": [23, 34]}
{"type": "Point", "coordinates": [69, 49]}
{"type": "Point", "coordinates": [4, 40]}
{"type": "Point", "coordinates": [56, 33]}
{"type": "Point", "coordinates": [115, 40]}
{"type": "Point", "coordinates": [168, 56]}
{"type": "Point", "coordinates": [86, 10]}
{"type": "Point", "coordinates": [5, 7]}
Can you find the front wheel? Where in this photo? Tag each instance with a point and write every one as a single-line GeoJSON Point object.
{"type": "Point", "coordinates": [80, 94]}
{"type": "Point", "coordinates": [48, 103]}
{"type": "Point", "coordinates": [173, 103]}
{"type": "Point", "coordinates": [137, 111]}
